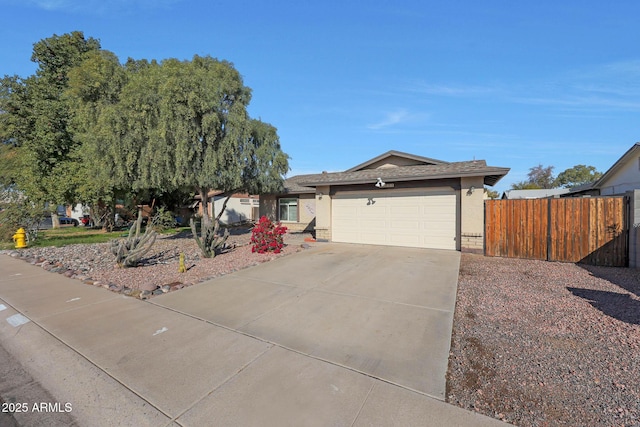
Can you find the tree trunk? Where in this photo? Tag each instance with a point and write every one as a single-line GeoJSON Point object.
{"type": "Point", "coordinates": [204, 203]}
{"type": "Point", "coordinates": [224, 206]}
{"type": "Point", "coordinates": [55, 220]}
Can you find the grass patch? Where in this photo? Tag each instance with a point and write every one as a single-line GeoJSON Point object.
{"type": "Point", "coordinates": [73, 236]}
{"type": "Point", "coordinates": [80, 235]}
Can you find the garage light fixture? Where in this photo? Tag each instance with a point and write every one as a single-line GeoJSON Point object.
{"type": "Point", "coordinates": [380, 183]}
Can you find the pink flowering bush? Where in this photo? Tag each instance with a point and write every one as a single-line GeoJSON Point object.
{"type": "Point", "coordinates": [267, 236]}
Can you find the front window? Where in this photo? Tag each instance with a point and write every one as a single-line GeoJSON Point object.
{"type": "Point", "coordinates": [288, 209]}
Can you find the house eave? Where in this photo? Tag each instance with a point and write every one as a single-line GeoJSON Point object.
{"type": "Point", "coordinates": [616, 166]}
{"type": "Point", "coordinates": [490, 178]}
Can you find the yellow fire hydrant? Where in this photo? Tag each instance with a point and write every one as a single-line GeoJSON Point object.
{"type": "Point", "coordinates": [20, 238]}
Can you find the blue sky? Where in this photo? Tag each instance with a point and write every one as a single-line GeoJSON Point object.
{"type": "Point", "coordinates": [515, 83]}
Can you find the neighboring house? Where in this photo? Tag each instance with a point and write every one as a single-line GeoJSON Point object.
{"type": "Point", "coordinates": [534, 194]}
{"type": "Point", "coordinates": [396, 199]}
{"type": "Point", "coordinates": [622, 177]}
{"type": "Point", "coordinates": [240, 207]}
{"type": "Point", "coordinates": [77, 211]}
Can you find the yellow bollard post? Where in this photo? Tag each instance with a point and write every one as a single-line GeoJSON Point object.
{"type": "Point", "coordinates": [20, 238]}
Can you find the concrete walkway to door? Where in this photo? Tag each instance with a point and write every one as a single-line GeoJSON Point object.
{"type": "Point", "coordinates": [343, 335]}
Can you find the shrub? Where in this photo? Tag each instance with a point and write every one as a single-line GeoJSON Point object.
{"type": "Point", "coordinates": [267, 236]}
{"type": "Point", "coordinates": [163, 220]}
{"type": "Point", "coordinates": [17, 211]}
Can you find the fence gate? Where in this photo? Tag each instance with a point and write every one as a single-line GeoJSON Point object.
{"type": "Point", "coordinates": [591, 230]}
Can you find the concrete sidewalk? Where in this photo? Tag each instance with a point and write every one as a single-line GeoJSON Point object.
{"type": "Point", "coordinates": [173, 361]}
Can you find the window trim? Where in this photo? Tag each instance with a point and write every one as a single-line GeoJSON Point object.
{"type": "Point", "coordinates": [297, 205]}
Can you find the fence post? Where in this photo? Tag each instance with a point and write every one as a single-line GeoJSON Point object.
{"type": "Point", "coordinates": [634, 229]}
{"type": "Point", "coordinates": [549, 229]}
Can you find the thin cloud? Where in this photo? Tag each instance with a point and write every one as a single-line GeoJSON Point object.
{"type": "Point", "coordinates": [99, 6]}
{"type": "Point", "coordinates": [452, 90]}
{"type": "Point", "coordinates": [612, 86]}
{"type": "Point", "coordinates": [582, 103]}
{"type": "Point", "coordinates": [395, 118]}
{"type": "Point", "coordinates": [51, 4]}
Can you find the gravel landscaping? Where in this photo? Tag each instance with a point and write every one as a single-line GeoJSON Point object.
{"type": "Point", "coordinates": [158, 270]}
{"type": "Point", "coordinates": [546, 344]}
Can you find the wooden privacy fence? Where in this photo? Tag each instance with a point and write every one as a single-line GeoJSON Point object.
{"type": "Point", "coordinates": [591, 230]}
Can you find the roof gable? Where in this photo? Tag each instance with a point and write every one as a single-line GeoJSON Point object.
{"type": "Point", "coordinates": [393, 158]}
{"type": "Point", "coordinates": [628, 164]}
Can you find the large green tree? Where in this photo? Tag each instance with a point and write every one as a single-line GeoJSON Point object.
{"type": "Point", "coordinates": [94, 90]}
{"type": "Point", "coordinates": [36, 118]}
{"type": "Point", "coordinates": [184, 124]}
{"type": "Point", "coordinates": [577, 175]}
{"type": "Point", "coordinates": [539, 177]}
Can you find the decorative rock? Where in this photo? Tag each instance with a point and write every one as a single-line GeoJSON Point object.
{"type": "Point", "coordinates": [106, 285]}
{"type": "Point", "coordinates": [88, 282]}
{"type": "Point", "coordinates": [305, 246]}
{"type": "Point", "coordinates": [165, 288]}
{"type": "Point", "coordinates": [97, 283]}
{"type": "Point", "coordinates": [143, 294]}
{"type": "Point", "coordinates": [148, 287]}
{"type": "Point", "coordinates": [115, 288]}
{"type": "Point", "coordinates": [135, 293]}
{"type": "Point", "coordinates": [158, 292]}
{"type": "Point", "coordinates": [127, 291]}
{"type": "Point", "coordinates": [68, 273]}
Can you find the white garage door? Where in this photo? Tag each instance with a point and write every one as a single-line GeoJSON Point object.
{"type": "Point", "coordinates": [424, 219]}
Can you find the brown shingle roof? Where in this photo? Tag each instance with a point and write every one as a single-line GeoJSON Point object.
{"type": "Point", "coordinates": [491, 174]}
{"type": "Point", "coordinates": [292, 186]}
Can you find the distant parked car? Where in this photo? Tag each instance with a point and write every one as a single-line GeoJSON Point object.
{"type": "Point", "coordinates": [65, 220]}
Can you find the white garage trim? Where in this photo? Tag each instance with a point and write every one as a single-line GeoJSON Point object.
{"type": "Point", "coordinates": [417, 218]}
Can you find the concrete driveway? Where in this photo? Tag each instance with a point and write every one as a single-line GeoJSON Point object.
{"type": "Point", "coordinates": [341, 335]}
{"type": "Point", "coordinates": [383, 311]}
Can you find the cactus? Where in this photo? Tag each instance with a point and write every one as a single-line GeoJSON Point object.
{"type": "Point", "coordinates": [209, 241]}
{"type": "Point", "coordinates": [182, 268]}
{"type": "Point", "coordinates": [129, 250]}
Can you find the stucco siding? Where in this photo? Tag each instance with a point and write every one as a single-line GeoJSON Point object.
{"type": "Point", "coordinates": [625, 179]}
{"type": "Point", "coordinates": [269, 207]}
{"type": "Point", "coordinates": [237, 209]}
{"type": "Point", "coordinates": [471, 214]}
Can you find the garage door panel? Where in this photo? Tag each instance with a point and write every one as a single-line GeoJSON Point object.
{"type": "Point", "coordinates": [420, 219]}
{"type": "Point", "coordinates": [405, 239]}
{"type": "Point", "coordinates": [405, 210]}
{"type": "Point", "coordinates": [405, 225]}
{"type": "Point", "coordinates": [373, 238]}
{"type": "Point", "coordinates": [348, 211]}
{"type": "Point", "coordinates": [372, 224]}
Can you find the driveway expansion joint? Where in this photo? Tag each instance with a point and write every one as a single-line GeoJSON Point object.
{"type": "Point", "coordinates": [311, 356]}
{"type": "Point", "coordinates": [88, 359]}
{"type": "Point", "coordinates": [222, 384]}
